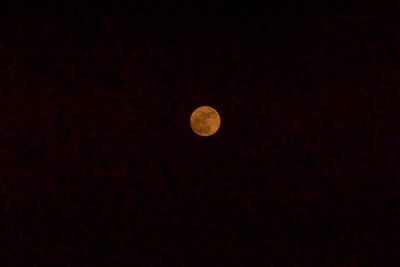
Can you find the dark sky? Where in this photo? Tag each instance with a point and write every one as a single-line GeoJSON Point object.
{"type": "Point", "coordinates": [99, 165]}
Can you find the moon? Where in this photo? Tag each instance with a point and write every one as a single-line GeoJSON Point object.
{"type": "Point", "coordinates": [205, 121]}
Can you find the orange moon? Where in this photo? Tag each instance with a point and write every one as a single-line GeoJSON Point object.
{"type": "Point", "coordinates": [205, 121]}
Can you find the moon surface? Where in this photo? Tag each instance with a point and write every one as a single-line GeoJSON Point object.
{"type": "Point", "coordinates": [205, 121]}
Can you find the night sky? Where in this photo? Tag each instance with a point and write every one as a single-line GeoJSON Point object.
{"type": "Point", "coordinates": [99, 165]}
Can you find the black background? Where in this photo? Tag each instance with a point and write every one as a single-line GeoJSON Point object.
{"type": "Point", "coordinates": [99, 166]}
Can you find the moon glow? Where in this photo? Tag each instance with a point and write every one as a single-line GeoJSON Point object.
{"type": "Point", "coordinates": [205, 121]}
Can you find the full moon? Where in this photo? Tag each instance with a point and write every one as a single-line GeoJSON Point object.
{"type": "Point", "coordinates": [205, 121]}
